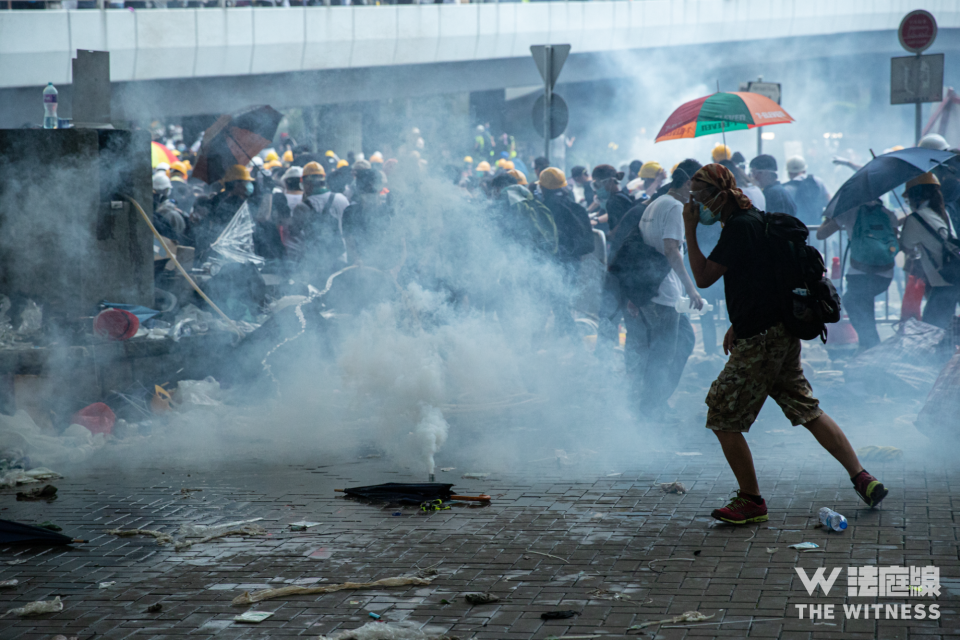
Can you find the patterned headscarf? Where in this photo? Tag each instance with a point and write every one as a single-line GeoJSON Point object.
{"type": "Point", "coordinates": [721, 178]}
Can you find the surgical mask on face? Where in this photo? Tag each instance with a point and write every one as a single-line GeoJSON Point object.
{"type": "Point", "coordinates": [708, 217]}
{"type": "Point", "coordinates": [602, 194]}
{"type": "Point", "coordinates": [248, 187]}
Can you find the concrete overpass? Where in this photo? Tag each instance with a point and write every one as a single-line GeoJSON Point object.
{"type": "Point", "coordinates": [180, 62]}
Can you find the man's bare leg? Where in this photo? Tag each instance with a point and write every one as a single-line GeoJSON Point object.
{"type": "Point", "coordinates": [831, 437]}
{"type": "Point", "coordinates": [738, 455]}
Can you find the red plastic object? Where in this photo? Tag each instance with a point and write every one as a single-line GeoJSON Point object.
{"type": "Point", "coordinates": [835, 269]}
{"type": "Point", "coordinates": [912, 298]}
{"type": "Point", "coordinates": [841, 333]}
{"type": "Point", "coordinates": [97, 417]}
{"type": "Point", "coordinates": [116, 324]}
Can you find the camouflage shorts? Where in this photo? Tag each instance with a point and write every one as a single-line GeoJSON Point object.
{"type": "Point", "coordinates": [764, 365]}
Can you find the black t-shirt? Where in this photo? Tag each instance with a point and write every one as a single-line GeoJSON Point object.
{"type": "Point", "coordinates": [749, 283]}
{"type": "Point", "coordinates": [617, 206]}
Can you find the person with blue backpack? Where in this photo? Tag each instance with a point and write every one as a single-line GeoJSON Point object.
{"type": "Point", "coordinates": [872, 250]}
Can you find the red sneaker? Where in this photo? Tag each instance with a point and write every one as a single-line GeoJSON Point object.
{"type": "Point", "coordinates": [869, 488]}
{"type": "Point", "coordinates": [742, 510]}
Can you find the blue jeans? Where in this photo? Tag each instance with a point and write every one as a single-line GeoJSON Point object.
{"type": "Point", "coordinates": [858, 301]}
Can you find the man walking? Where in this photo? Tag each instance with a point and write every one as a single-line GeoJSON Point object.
{"type": "Point", "coordinates": [763, 170]}
{"type": "Point", "coordinates": [764, 358]}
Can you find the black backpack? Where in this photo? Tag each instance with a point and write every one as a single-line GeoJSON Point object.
{"type": "Point", "coordinates": [639, 269]}
{"type": "Point", "coordinates": [808, 300]}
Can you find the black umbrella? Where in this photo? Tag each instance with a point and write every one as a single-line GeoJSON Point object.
{"type": "Point", "coordinates": [17, 532]}
{"type": "Point", "coordinates": [409, 492]}
{"type": "Point", "coordinates": [882, 174]}
{"type": "Point", "coordinates": [235, 139]}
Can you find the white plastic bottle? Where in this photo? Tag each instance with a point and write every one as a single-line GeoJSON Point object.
{"type": "Point", "coordinates": [832, 520]}
{"type": "Point", "coordinates": [683, 306]}
{"type": "Point", "coordinates": [50, 107]}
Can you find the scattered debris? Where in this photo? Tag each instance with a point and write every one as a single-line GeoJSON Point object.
{"type": "Point", "coordinates": [50, 526]}
{"type": "Point", "coordinates": [428, 572]}
{"type": "Point", "coordinates": [7, 584]}
{"type": "Point", "coordinates": [107, 585]}
{"type": "Point", "coordinates": [548, 555]}
{"type": "Point", "coordinates": [18, 477]}
{"type": "Point", "coordinates": [673, 487]}
{"type": "Point", "coordinates": [155, 608]}
{"type": "Point", "coordinates": [36, 608]}
{"type": "Point", "coordinates": [880, 454]}
{"type": "Point", "coordinates": [386, 631]}
{"type": "Point", "coordinates": [186, 492]}
{"type": "Point", "coordinates": [202, 531]}
{"type": "Point", "coordinates": [48, 493]}
{"type": "Point", "coordinates": [269, 594]}
{"type": "Point", "coordinates": [606, 594]}
{"type": "Point", "coordinates": [253, 617]}
{"type": "Point", "coordinates": [708, 624]}
{"type": "Point", "coordinates": [162, 538]}
{"type": "Point", "coordinates": [481, 598]}
{"type": "Point", "coordinates": [373, 615]}
{"type": "Point", "coordinates": [689, 616]}
{"type": "Point", "coordinates": [803, 546]}
{"type": "Point", "coordinates": [697, 552]}
{"type": "Point", "coordinates": [650, 564]}
{"type": "Point", "coordinates": [15, 561]}
{"type": "Point", "coordinates": [558, 615]}
{"type": "Point", "coordinates": [247, 530]}
{"type": "Point", "coordinates": [475, 476]}
{"type": "Point", "coordinates": [303, 525]}
{"type": "Point", "coordinates": [445, 469]}
{"type": "Point", "coordinates": [445, 601]}
{"type": "Point", "coordinates": [772, 549]}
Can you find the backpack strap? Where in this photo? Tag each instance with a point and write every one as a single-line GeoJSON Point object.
{"type": "Point", "coordinates": [931, 230]}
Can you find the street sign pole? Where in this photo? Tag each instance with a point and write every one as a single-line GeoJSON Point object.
{"type": "Point", "coordinates": [916, 33]}
{"type": "Point", "coordinates": [918, 115]}
{"type": "Point", "coordinates": [547, 99]}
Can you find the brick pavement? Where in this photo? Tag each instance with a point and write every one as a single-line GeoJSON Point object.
{"type": "Point", "coordinates": [605, 530]}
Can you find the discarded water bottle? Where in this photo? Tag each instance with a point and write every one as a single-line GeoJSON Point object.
{"type": "Point", "coordinates": [684, 306]}
{"type": "Point", "coordinates": [832, 520]}
{"type": "Point", "coordinates": [50, 107]}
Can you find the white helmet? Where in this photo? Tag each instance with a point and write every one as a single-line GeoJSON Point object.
{"type": "Point", "coordinates": [163, 166]}
{"type": "Point", "coordinates": [934, 141]}
{"type": "Point", "coordinates": [161, 182]}
{"type": "Point", "coordinates": [796, 164]}
{"type": "Point", "coordinates": [293, 172]}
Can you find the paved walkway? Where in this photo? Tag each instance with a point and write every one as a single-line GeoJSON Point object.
{"type": "Point", "coordinates": [560, 534]}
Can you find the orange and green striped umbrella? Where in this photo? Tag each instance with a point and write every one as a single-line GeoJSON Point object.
{"type": "Point", "coordinates": [721, 112]}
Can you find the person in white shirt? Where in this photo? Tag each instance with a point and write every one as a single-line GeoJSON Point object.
{"type": "Point", "coordinates": [662, 338]}
{"type": "Point", "coordinates": [916, 240]}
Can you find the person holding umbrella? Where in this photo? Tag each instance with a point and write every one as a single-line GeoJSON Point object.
{"type": "Point", "coordinates": [764, 358]}
{"type": "Point", "coordinates": [924, 233]}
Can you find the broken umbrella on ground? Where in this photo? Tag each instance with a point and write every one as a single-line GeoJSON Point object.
{"type": "Point", "coordinates": [269, 594]}
{"type": "Point", "coordinates": [48, 493]}
{"type": "Point", "coordinates": [16, 532]}
{"type": "Point", "coordinates": [409, 492]}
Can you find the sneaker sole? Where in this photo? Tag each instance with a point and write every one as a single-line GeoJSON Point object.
{"type": "Point", "coordinates": [762, 518]}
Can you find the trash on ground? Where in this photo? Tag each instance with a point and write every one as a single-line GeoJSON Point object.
{"type": "Point", "coordinates": [48, 493]}
{"type": "Point", "coordinates": [197, 393]}
{"type": "Point", "coordinates": [162, 538]}
{"type": "Point", "coordinates": [673, 487]}
{"type": "Point", "coordinates": [445, 469]}
{"type": "Point", "coordinates": [37, 608]}
{"type": "Point", "coordinates": [689, 616]}
{"type": "Point", "coordinates": [97, 417]}
{"type": "Point", "coordinates": [155, 608]}
{"type": "Point", "coordinates": [539, 553]}
{"type": "Point", "coordinates": [201, 531]}
{"type": "Point", "coordinates": [303, 525]}
{"type": "Point", "coordinates": [650, 564]}
{"type": "Point", "coordinates": [15, 562]}
{"type": "Point", "coordinates": [832, 520]}
{"type": "Point", "coordinates": [609, 595]}
{"type": "Point", "coordinates": [269, 594]}
{"type": "Point", "coordinates": [246, 530]}
{"type": "Point", "coordinates": [879, 454]}
{"type": "Point", "coordinates": [17, 477]}
{"type": "Point", "coordinates": [804, 545]}
{"type": "Point", "coordinates": [558, 615]}
{"type": "Point", "coordinates": [475, 476]}
{"type": "Point", "coordinates": [107, 585]}
{"type": "Point", "coordinates": [253, 616]}
{"type": "Point", "coordinates": [373, 615]}
{"type": "Point", "coordinates": [772, 549]}
{"type": "Point", "coordinates": [481, 598]}
{"type": "Point", "coordinates": [50, 526]}
{"type": "Point", "coordinates": [386, 631]}
{"type": "Point", "coordinates": [7, 584]}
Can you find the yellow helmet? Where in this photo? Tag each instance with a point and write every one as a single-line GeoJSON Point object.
{"type": "Point", "coordinates": [468, 160]}
{"type": "Point", "coordinates": [507, 165]}
{"type": "Point", "coordinates": [650, 170]}
{"type": "Point", "coordinates": [288, 156]}
{"type": "Point", "coordinates": [237, 172]}
{"type": "Point", "coordinates": [552, 178]}
{"type": "Point", "coordinates": [272, 164]}
{"type": "Point", "coordinates": [330, 154]}
{"type": "Point", "coordinates": [483, 166]}
{"type": "Point", "coordinates": [521, 179]}
{"type": "Point", "coordinates": [721, 152]}
{"type": "Point", "coordinates": [314, 169]}
{"type": "Point", "coordinates": [342, 163]}
{"type": "Point", "coordinates": [272, 156]}
{"type": "Point", "coordinates": [179, 166]}
{"type": "Point", "coordinates": [377, 157]}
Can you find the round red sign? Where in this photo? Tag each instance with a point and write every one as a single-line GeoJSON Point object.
{"type": "Point", "coordinates": [918, 30]}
